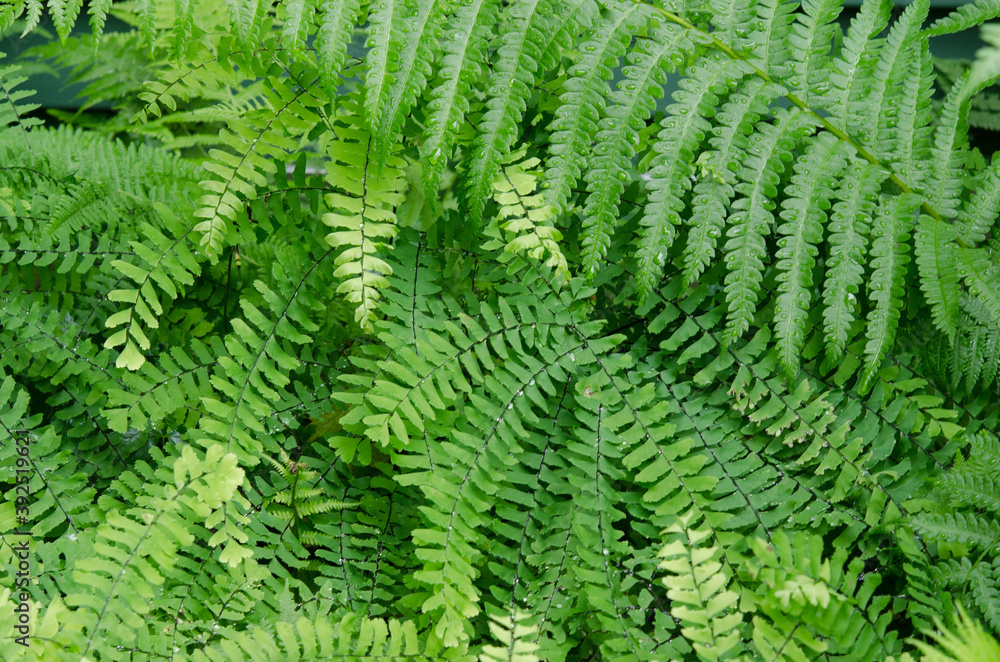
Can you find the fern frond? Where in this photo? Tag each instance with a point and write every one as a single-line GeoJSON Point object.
{"type": "Point", "coordinates": [913, 129]}
{"type": "Point", "coordinates": [697, 587]}
{"type": "Point", "coordinates": [887, 78]}
{"type": "Point", "coordinates": [682, 131]}
{"type": "Point", "coordinates": [618, 137]}
{"type": "Point", "coordinates": [582, 104]}
{"type": "Point", "coordinates": [362, 216]}
{"type": "Point", "coordinates": [352, 639]}
{"type": "Point", "coordinates": [810, 606]}
{"type": "Point", "coordinates": [856, 62]}
{"type": "Point", "coordinates": [298, 18]}
{"type": "Point", "coordinates": [807, 195]}
{"type": "Point", "coordinates": [966, 641]}
{"type": "Point", "coordinates": [247, 19]}
{"type": "Point", "coordinates": [964, 17]}
{"type": "Point", "coordinates": [948, 154]}
{"type": "Point", "coordinates": [809, 43]}
{"type": "Point", "coordinates": [978, 269]}
{"type": "Point", "coordinates": [512, 635]}
{"type": "Point", "coordinates": [978, 216]}
{"type": "Point", "coordinates": [256, 140]}
{"type": "Point", "coordinates": [770, 149]}
{"type": "Point", "coordinates": [64, 13]}
{"type": "Point", "coordinates": [147, 541]}
{"type": "Point", "coordinates": [528, 224]}
{"type": "Point", "coordinates": [850, 222]}
{"type": "Point", "coordinates": [98, 11]}
{"type": "Point", "coordinates": [890, 233]}
{"type": "Point", "coordinates": [388, 103]}
{"type": "Point", "coordinates": [336, 25]}
{"type": "Point", "coordinates": [463, 61]}
{"type": "Point", "coordinates": [169, 265]}
{"type": "Point", "coordinates": [523, 31]}
{"type": "Point", "coordinates": [719, 167]}
{"type": "Point", "coordinates": [769, 36]}
{"type": "Point", "coordinates": [935, 249]}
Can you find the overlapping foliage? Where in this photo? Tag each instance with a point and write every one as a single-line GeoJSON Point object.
{"type": "Point", "coordinates": [425, 330]}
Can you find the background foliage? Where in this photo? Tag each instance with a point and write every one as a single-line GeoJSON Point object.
{"type": "Point", "coordinates": [425, 330]}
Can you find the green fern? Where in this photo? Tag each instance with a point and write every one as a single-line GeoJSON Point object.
{"type": "Point", "coordinates": [421, 330]}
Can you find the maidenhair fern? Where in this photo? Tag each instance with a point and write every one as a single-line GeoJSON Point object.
{"type": "Point", "coordinates": [525, 330]}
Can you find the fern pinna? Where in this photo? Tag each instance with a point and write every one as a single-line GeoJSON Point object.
{"type": "Point", "coordinates": [524, 330]}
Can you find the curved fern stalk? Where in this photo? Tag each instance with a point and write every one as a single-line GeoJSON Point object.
{"type": "Point", "coordinates": [752, 219]}
{"type": "Point", "coordinates": [806, 197]}
{"type": "Point", "coordinates": [850, 222]}
{"type": "Point", "coordinates": [616, 142]}
{"type": "Point", "coordinates": [714, 190]}
{"type": "Point", "coordinates": [400, 62]}
{"type": "Point", "coordinates": [257, 140]}
{"type": "Point", "coordinates": [856, 63]}
{"type": "Point", "coordinates": [524, 27]}
{"type": "Point", "coordinates": [696, 585]}
{"type": "Point", "coordinates": [582, 104]}
{"type": "Point", "coordinates": [684, 128]}
{"type": "Point", "coordinates": [890, 233]}
{"type": "Point", "coordinates": [363, 216]}
{"type": "Point", "coordinates": [336, 25]}
{"type": "Point", "coordinates": [463, 62]}
{"type": "Point", "coordinates": [810, 39]}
